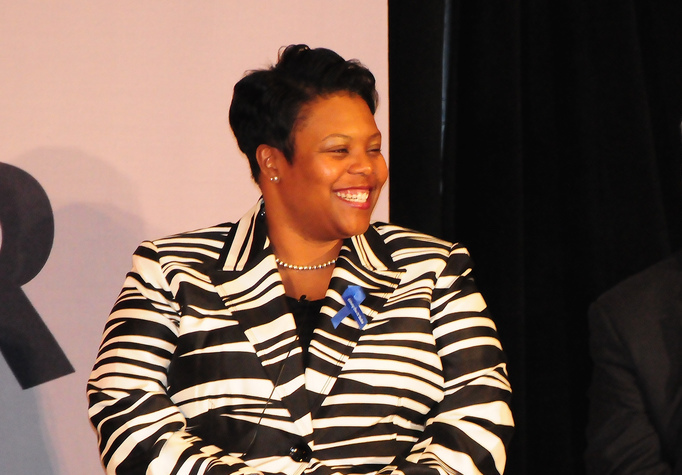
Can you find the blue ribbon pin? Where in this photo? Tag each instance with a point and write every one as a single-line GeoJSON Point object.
{"type": "Point", "coordinates": [353, 296]}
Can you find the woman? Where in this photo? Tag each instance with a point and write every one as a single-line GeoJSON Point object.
{"type": "Point", "coordinates": [302, 339]}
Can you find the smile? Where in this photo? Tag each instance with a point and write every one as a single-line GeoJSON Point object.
{"type": "Point", "coordinates": [353, 196]}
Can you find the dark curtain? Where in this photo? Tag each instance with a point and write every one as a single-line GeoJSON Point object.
{"type": "Point", "coordinates": [544, 135]}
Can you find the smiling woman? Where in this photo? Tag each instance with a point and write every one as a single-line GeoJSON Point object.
{"type": "Point", "coordinates": [303, 338]}
{"type": "Point", "coordinates": [328, 190]}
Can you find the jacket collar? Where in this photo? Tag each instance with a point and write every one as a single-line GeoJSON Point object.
{"type": "Point", "coordinates": [246, 240]}
{"type": "Point", "coordinates": [249, 238]}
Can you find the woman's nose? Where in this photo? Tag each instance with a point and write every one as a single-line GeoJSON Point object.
{"type": "Point", "coordinates": [363, 164]}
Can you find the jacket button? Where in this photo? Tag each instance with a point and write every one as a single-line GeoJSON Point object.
{"type": "Point", "coordinates": [300, 452]}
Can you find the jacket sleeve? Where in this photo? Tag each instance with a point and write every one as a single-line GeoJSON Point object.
{"type": "Point", "coordinates": [621, 436]}
{"type": "Point", "coordinates": [468, 431]}
{"type": "Point", "coordinates": [140, 430]}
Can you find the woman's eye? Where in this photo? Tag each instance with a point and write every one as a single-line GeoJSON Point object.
{"type": "Point", "coordinates": [339, 150]}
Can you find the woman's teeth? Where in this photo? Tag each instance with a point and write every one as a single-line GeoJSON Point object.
{"type": "Point", "coordinates": [353, 196]}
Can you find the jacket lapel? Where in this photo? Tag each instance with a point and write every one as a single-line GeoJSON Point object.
{"type": "Point", "coordinates": [365, 262]}
{"type": "Point", "coordinates": [251, 289]}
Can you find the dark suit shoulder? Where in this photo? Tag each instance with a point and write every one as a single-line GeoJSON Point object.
{"type": "Point", "coordinates": [650, 289]}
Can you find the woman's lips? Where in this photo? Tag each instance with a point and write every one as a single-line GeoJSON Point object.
{"type": "Point", "coordinates": [357, 197]}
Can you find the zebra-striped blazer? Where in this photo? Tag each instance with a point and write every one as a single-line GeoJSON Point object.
{"type": "Point", "coordinates": [200, 369]}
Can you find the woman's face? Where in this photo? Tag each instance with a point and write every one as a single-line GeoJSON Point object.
{"type": "Point", "coordinates": [332, 184]}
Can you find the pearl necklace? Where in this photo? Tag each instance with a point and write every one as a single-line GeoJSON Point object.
{"type": "Point", "coordinates": [294, 267]}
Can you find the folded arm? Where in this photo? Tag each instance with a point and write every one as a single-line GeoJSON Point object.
{"type": "Point", "coordinates": [621, 436]}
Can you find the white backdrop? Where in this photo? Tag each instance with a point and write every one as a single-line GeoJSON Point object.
{"type": "Point", "coordinates": [119, 110]}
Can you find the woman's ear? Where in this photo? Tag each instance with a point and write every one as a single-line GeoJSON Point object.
{"type": "Point", "coordinates": [268, 158]}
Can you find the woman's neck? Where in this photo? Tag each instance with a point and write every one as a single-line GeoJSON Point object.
{"type": "Point", "coordinates": [298, 247]}
{"type": "Point", "coordinates": [295, 251]}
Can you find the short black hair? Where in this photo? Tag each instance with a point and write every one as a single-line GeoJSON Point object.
{"type": "Point", "coordinates": [267, 102]}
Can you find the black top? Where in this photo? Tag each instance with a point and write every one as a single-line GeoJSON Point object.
{"type": "Point", "coordinates": [306, 313]}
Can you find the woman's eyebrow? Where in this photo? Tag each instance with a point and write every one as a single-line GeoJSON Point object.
{"type": "Point", "coordinates": [348, 137]}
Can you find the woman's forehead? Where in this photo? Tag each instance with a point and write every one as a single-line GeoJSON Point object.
{"type": "Point", "coordinates": [337, 114]}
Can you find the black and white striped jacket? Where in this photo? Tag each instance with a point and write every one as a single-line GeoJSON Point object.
{"type": "Point", "coordinates": [200, 370]}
